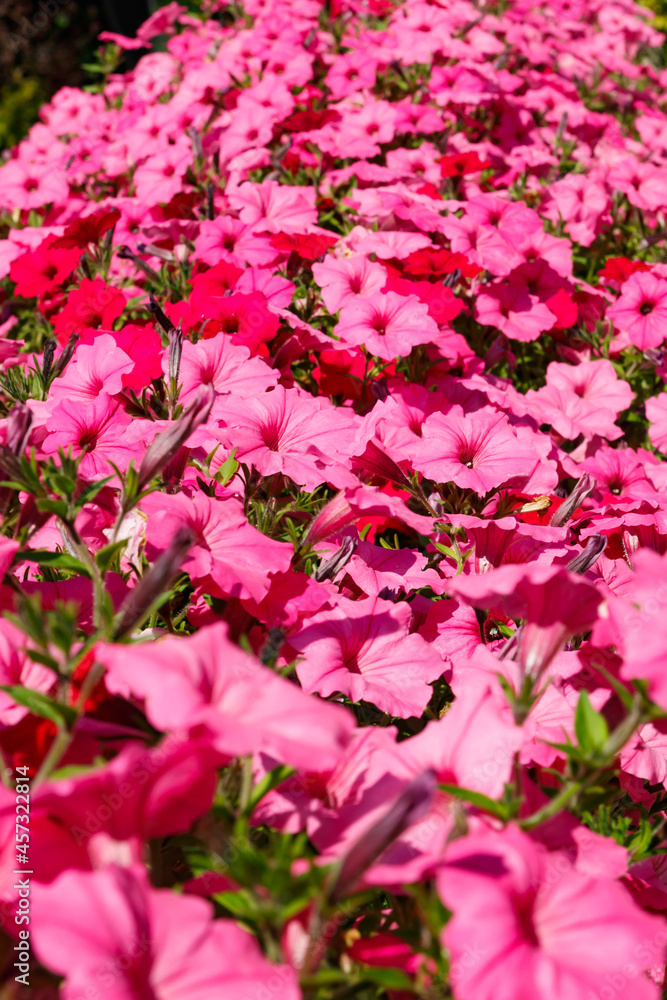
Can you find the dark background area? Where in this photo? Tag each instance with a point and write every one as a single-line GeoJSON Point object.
{"type": "Point", "coordinates": [44, 45]}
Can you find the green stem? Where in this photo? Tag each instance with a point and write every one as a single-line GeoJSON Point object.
{"type": "Point", "coordinates": [616, 741]}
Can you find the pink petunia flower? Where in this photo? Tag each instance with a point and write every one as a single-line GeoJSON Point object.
{"type": "Point", "coordinates": [26, 185]}
{"type": "Point", "coordinates": [286, 431]}
{"type": "Point", "coordinates": [478, 452]}
{"type": "Point", "coordinates": [351, 72]}
{"type": "Point", "coordinates": [656, 411]}
{"type": "Point", "coordinates": [95, 368]}
{"type": "Point", "coordinates": [387, 324]}
{"type": "Point", "coordinates": [512, 309]}
{"type": "Point", "coordinates": [160, 177]}
{"type": "Point", "coordinates": [527, 926]}
{"type": "Point", "coordinates": [233, 558]}
{"type": "Point", "coordinates": [581, 399]}
{"type": "Point", "coordinates": [554, 603]}
{"type": "Point", "coordinates": [641, 310]}
{"type": "Point", "coordinates": [98, 432]}
{"type": "Point", "coordinates": [205, 683]}
{"type": "Point", "coordinates": [274, 208]}
{"type": "Point", "coordinates": [228, 368]}
{"type": "Point", "coordinates": [111, 934]}
{"type": "Point", "coordinates": [343, 280]}
{"type": "Point", "coordinates": [364, 650]}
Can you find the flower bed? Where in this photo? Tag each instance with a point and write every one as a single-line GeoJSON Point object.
{"type": "Point", "coordinates": [333, 654]}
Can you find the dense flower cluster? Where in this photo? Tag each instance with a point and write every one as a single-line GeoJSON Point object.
{"type": "Point", "coordinates": [333, 646]}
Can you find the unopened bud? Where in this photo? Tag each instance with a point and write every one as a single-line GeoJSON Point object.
{"type": "Point", "coordinates": [166, 444]}
{"type": "Point", "coordinates": [195, 139]}
{"type": "Point", "coordinates": [155, 309]}
{"type": "Point", "coordinates": [174, 470]}
{"type": "Point", "coordinates": [582, 489]}
{"type": "Point", "coordinates": [19, 422]}
{"type": "Point", "coordinates": [126, 254]}
{"type": "Point", "coordinates": [175, 351]}
{"type": "Point", "coordinates": [153, 251]}
{"type": "Point", "coordinates": [378, 463]}
{"type": "Point", "coordinates": [413, 802]}
{"type": "Point", "coordinates": [379, 388]}
{"type": "Point", "coordinates": [595, 546]}
{"type": "Point", "coordinates": [334, 516]}
{"type": "Point", "coordinates": [331, 568]}
{"type": "Point", "coordinates": [450, 280]}
{"type": "Point", "coordinates": [155, 581]}
{"type": "Point", "coordinates": [49, 350]}
{"type": "Point", "coordinates": [65, 357]}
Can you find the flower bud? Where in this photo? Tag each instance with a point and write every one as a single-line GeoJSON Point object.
{"type": "Point", "coordinates": [582, 489]}
{"type": "Point", "coordinates": [595, 546]}
{"type": "Point", "coordinates": [378, 463]}
{"type": "Point", "coordinates": [166, 444]}
{"type": "Point", "coordinates": [334, 516]}
{"type": "Point", "coordinates": [332, 567]}
{"type": "Point", "coordinates": [155, 581]}
{"type": "Point", "coordinates": [19, 421]}
{"type": "Point", "coordinates": [413, 802]}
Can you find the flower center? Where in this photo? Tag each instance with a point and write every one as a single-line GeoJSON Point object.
{"type": "Point", "coordinates": [88, 440]}
{"type": "Point", "coordinates": [379, 324]}
{"type": "Point", "coordinates": [646, 308]}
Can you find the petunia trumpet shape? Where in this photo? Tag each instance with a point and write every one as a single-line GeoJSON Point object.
{"type": "Point", "coordinates": [478, 452]}
{"type": "Point", "coordinates": [364, 650]}
{"type": "Point", "coordinates": [527, 926]}
{"type": "Point", "coordinates": [554, 603]}
{"type": "Point", "coordinates": [206, 683]}
{"type": "Point", "coordinates": [112, 935]}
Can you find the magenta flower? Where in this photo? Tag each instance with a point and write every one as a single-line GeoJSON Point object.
{"type": "Point", "coordinates": [233, 558]}
{"type": "Point", "coordinates": [387, 324]}
{"type": "Point", "coordinates": [581, 399]}
{"type": "Point", "coordinates": [656, 411]}
{"type": "Point", "coordinates": [287, 431]}
{"type": "Point", "coordinates": [27, 185]}
{"type": "Point", "coordinates": [98, 432]}
{"type": "Point", "coordinates": [274, 208]}
{"type": "Point", "coordinates": [641, 310]}
{"type": "Point", "coordinates": [95, 368]}
{"type": "Point", "coordinates": [160, 177]}
{"type": "Point", "coordinates": [638, 625]}
{"type": "Point", "coordinates": [343, 280]}
{"type": "Point", "coordinates": [512, 309]}
{"type": "Point", "coordinates": [555, 604]}
{"type": "Point", "coordinates": [527, 926]}
{"type": "Point", "coordinates": [112, 935]}
{"type": "Point", "coordinates": [227, 367]}
{"type": "Point", "coordinates": [478, 452]}
{"type": "Point", "coordinates": [364, 650]}
{"type": "Point", "coordinates": [208, 685]}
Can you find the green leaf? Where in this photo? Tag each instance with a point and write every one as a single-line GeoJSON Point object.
{"type": "Point", "coordinates": [90, 492]}
{"type": "Point", "coordinates": [106, 556]}
{"type": "Point", "coordinates": [590, 727]}
{"type": "Point", "coordinates": [391, 979]}
{"type": "Point", "coordinates": [498, 809]}
{"type": "Point", "coordinates": [267, 784]}
{"type": "Point", "coordinates": [57, 560]}
{"type": "Point", "coordinates": [228, 469]}
{"type": "Point", "coordinates": [58, 507]}
{"type": "Point", "coordinates": [241, 903]}
{"type": "Point", "coordinates": [43, 658]}
{"type": "Point", "coordinates": [40, 704]}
